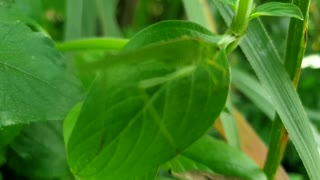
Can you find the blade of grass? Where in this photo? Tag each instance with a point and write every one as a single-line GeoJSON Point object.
{"type": "Point", "coordinates": [296, 44]}
{"type": "Point", "coordinates": [198, 11]}
{"type": "Point", "coordinates": [266, 62]}
{"type": "Point", "coordinates": [80, 19]}
{"type": "Point", "coordinates": [251, 88]}
{"type": "Point", "coordinates": [107, 17]}
{"type": "Point", "coordinates": [230, 125]}
{"type": "Point", "coordinates": [73, 19]}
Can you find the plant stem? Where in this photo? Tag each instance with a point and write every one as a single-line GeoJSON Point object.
{"type": "Point", "coordinates": [296, 44]}
{"type": "Point", "coordinates": [92, 44]}
{"type": "Point", "coordinates": [240, 22]}
{"type": "Point", "coordinates": [242, 17]}
{"type": "Point", "coordinates": [277, 146]}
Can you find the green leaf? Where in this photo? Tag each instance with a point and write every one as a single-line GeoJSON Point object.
{"type": "Point", "coordinates": [267, 64]}
{"type": "Point", "coordinates": [230, 126]}
{"type": "Point", "coordinates": [148, 110]}
{"type": "Point", "coordinates": [35, 83]}
{"type": "Point", "coordinates": [23, 8]}
{"type": "Point", "coordinates": [158, 33]}
{"type": "Point", "coordinates": [251, 88]}
{"type": "Point", "coordinates": [232, 3]}
{"type": "Point", "coordinates": [80, 19]}
{"type": "Point", "coordinates": [151, 175]}
{"type": "Point", "coordinates": [39, 152]}
{"type": "Point", "coordinates": [214, 156]}
{"type": "Point", "coordinates": [199, 11]}
{"type": "Point", "coordinates": [27, 11]}
{"type": "Point", "coordinates": [2, 157]}
{"type": "Point", "coordinates": [277, 9]}
{"type": "Point", "coordinates": [107, 10]}
{"type": "Point", "coordinates": [7, 134]}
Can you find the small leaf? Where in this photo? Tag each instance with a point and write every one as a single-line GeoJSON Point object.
{"type": "Point", "coordinates": [277, 9]}
{"type": "Point", "coordinates": [144, 110]}
{"type": "Point", "coordinates": [35, 83]}
{"type": "Point", "coordinates": [208, 156]}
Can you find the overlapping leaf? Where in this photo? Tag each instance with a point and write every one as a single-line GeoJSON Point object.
{"type": "Point", "coordinates": [149, 104]}
{"type": "Point", "coordinates": [38, 152]}
{"type": "Point", "coordinates": [35, 84]}
{"type": "Point", "coordinates": [213, 156]}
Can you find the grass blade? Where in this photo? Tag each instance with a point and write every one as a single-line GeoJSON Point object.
{"type": "Point", "coordinates": [296, 44]}
{"type": "Point", "coordinates": [198, 11]}
{"type": "Point", "coordinates": [80, 19]}
{"type": "Point", "coordinates": [107, 17]}
{"type": "Point", "coordinates": [251, 88]}
{"type": "Point", "coordinates": [266, 62]}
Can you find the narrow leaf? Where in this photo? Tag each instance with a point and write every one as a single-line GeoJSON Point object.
{"type": "Point", "coordinates": [107, 11]}
{"type": "Point", "coordinates": [80, 19]}
{"type": "Point", "coordinates": [199, 11]}
{"type": "Point", "coordinates": [277, 9]}
{"type": "Point", "coordinates": [267, 64]}
{"type": "Point", "coordinates": [252, 89]}
{"type": "Point", "coordinates": [232, 3]}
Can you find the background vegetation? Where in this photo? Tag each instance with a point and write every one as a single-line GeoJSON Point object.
{"type": "Point", "coordinates": [64, 21]}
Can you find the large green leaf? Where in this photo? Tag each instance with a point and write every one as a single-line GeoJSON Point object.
{"type": "Point", "coordinates": [266, 62]}
{"type": "Point", "coordinates": [35, 83]}
{"type": "Point", "coordinates": [14, 10]}
{"type": "Point", "coordinates": [214, 156]}
{"type": "Point", "coordinates": [39, 152]}
{"type": "Point", "coordinates": [141, 114]}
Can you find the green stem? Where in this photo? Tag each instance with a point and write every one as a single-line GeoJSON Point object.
{"type": "Point", "coordinates": [240, 22]}
{"type": "Point", "coordinates": [92, 44]}
{"type": "Point", "coordinates": [242, 17]}
{"type": "Point", "coordinates": [296, 44]}
{"type": "Point", "coordinates": [277, 146]}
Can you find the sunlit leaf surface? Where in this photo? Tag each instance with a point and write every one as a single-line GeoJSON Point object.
{"type": "Point", "coordinates": [141, 114]}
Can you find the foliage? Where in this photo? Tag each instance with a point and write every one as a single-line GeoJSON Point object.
{"type": "Point", "coordinates": [111, 89]}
